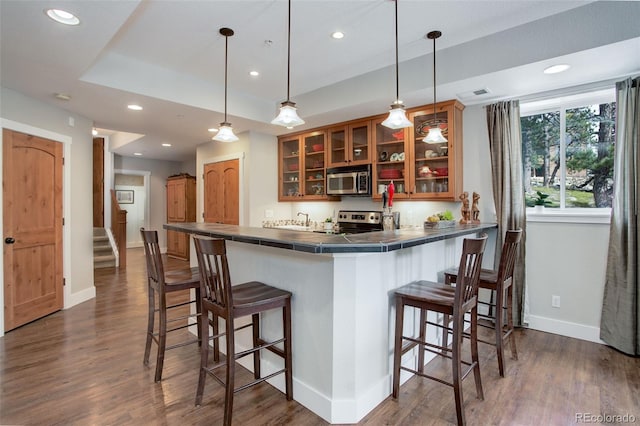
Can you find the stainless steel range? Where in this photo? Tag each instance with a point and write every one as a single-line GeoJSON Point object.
{"type": "Point", "coordinates": [357, 222]}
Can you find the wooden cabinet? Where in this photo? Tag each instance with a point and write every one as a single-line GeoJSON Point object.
{"type": "Point", "coordinates": [436, 169]}
{"type": "Point", "coordinates": [419, 170]}
{"type": "Point", "coordinates": [181, 207]}
{"type": "Point", "coordinates": [302, 166]}
{"type": "Point", "coordinates": [350, 144]}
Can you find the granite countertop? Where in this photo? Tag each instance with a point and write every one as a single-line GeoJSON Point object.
{"type": "Point", "coordinates": [314, 242]}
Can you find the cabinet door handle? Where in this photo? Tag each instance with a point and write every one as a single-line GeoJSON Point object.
{"type": "Point", "coordinates": [9, 240]}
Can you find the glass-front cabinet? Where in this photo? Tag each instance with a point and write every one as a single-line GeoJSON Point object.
{"type": "Point", "coordinates": [302, 161]}
{"type": "Point", "coordinates": [349, 144]}
{"type": "Point", "coordinates": [289, 167]}
{"type": "Point", "coordinates": [436, 168]}
{"type": "Point", "coordinates": [314, 146]}
{"type": "Point", "coordinates": [420, 170]}
{"type": "Point", "coordinates": [391, 160]}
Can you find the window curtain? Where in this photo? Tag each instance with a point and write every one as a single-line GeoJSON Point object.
{"type": "Point", "coordinates": [505, 144]}
{"type": "Point", "coordinates": [620, 313]}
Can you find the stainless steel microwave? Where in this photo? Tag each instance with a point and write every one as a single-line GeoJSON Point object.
{"type": "Point", "coordinates": [349, 180]}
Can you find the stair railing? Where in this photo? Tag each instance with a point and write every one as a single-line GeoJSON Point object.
{"type": "Point", "coordinates": [119, 229]}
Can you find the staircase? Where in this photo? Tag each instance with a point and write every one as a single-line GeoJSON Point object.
{"type": "Point", "coordinates": [103, 256]}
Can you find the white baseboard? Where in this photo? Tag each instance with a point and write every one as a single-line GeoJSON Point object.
{"type": "Point", "coordinates": [564, 328]}
{"type": "Point", "coordinates": [79, 297]}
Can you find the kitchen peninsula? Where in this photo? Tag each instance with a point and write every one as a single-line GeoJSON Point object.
{"type": "Point", "coordinates": [342, 306]}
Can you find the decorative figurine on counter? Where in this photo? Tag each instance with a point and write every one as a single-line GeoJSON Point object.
{"type": "Point", "coordinates": [475, 212]}
{"type": "Point", "coordinates": [464, 211]}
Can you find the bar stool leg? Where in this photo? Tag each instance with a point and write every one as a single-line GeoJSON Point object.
{"type": "Point", "coordinates": [512, 337]}
{"type": "Point", "coordinates": [288, 360]}
{"type": "Point", "coordinates": [475, 359]}
{"type": "Point", "coordinates": [162, 337]}
{"type": "Point", "coordinates": [204, 358]}
{"type": "Point", "coordinates": [397, 347]}
{"type": "Point", "coordinates": [231, 371]}
{"type": "Point", "coordinates": [150, 323]}
{"type": "Point", "coordinates": [456, 367]}
{"type": "Point", "coordinates": [423, 338]}
{"type": "Point", "coordinates": [499, 321]}
{"type": "Point", "coordinates": [255, 321]}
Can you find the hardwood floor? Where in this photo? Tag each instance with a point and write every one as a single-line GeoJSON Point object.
{"type": "Point", "coordinates": [83, 366]}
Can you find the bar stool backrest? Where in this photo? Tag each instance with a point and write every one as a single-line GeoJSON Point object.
{"type": "Point", "coordinates": [153, 256]}
{"type": "Point", "coordinates": [215, 282]}
{"type": "Point", "coordinates": [469, 272]}
{"type": "Point", "coordinates": [508, 255]}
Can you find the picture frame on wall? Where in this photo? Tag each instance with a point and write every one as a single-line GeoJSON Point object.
{"type": "Point", "coordinates": [124, 196]}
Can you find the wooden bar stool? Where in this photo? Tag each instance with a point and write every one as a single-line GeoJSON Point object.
{"type": "Point", "coordinates": [499, 282]}
{"type": "Point", "coordinates": [231, 302]}
{"type": "Point", "coordinates": [430, 296]}
{"type": "Point", "coordinates": [159, 285]}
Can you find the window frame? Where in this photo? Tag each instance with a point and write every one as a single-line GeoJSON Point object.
{"type": "Point", "coordinates": [562, 103]}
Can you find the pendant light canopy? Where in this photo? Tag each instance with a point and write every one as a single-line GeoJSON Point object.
{"type": "Point", "coordinates": [435, 133]}
{"type": "Point", "coordinates": [225, 134]}
{"type": "Point", "coordinates": [288, 116]}
{"type": "Point", "coordinates": [397, 115]}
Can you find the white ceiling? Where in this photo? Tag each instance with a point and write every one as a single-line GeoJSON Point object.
{"type": "Point", "coordinates": [169, 57]}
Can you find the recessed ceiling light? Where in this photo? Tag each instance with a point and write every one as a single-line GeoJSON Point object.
{"type": "Point", "coordinates": [254, 73]}
{"type": "Point", "coordinates": [166, 144]}
{"type": "Point", "coordinates": [137, 153]}
{"type": "Point", "coordinates": [134, 107]}
{"type": "Point", "coordinates": [555, 69]}
{"type": "Point", "coordinates": [337, 35]}
{"type": "Point", "coordinates": [63, 96]}
{"type": "Point", "coordinates": [62, 16]}
{"type": "Point", "coordinates": [94, 132]}
{"type": "Point", "coordinates": [213, 130]}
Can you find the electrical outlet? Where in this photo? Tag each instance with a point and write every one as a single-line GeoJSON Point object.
{"type": "Point", "coordinates": [555, 301]}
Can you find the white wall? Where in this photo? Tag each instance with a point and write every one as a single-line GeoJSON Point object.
{"type": "Point", "coordinates": [43, 119]}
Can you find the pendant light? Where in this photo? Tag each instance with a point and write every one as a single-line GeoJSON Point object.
{"type": "Point", "coordinates": [288, 116]}
{"type": "Point", "coordinates": [435, 133]}
{"type": "Point", "coordinates": [397, 118]}
{"type": "Point", "coordinates": [225, 133]}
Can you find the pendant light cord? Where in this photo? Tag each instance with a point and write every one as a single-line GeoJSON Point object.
{"type": "Point", "coordinates": [397, 73]}
{"type": "Point", "coordinates": [289, 51]}
{"type": "Point", "coordinates": [226, 48]}
{"type": "Point", "coordinates": [434, 80]}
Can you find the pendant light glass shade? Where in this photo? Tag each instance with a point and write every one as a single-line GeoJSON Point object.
{"type": "Point", "coordinates": [288, 116]}
{"type": "Point", "coordinates": [435, 136]}
{"type": "Point", "coordinates": [397, 115]}
{"type": "Point", "coordinates": [435, 133]}
{"type": "Point", "coordinates": [225, 133]}
{"type": "Point", "coordinates": [397, 118]}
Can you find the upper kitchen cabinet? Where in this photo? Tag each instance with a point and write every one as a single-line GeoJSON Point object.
{"type": "Point", "coordinates": [391, 160]}
{"type": "Point", "coordinates": [289, 167]}
{"type": "Point", "coordinates": [301, 165]}
{"type": "Point", "coordinates": [349, 144]}
{"type": "Point", "coordinates": [436, 168]}
{"type": "Point", "coordinates": [314, 147]}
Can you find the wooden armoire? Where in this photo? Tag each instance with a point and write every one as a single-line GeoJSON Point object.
{"type": "Point", "coordinates": [181, 207]}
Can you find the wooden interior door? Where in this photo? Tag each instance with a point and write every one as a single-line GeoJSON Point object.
{"type": "Point", "coordinates": [222, 192]}
{"type": "Point", "coordinates": [32, 220]}
{"type": "Point", "coordinates": [98, 182]}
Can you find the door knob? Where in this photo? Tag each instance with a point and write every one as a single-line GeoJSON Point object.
{"type": "Point", "coordinates": [9, 240]}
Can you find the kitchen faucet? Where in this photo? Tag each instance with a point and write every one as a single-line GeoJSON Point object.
{"type": "Point", "coordinates": [306, 218]}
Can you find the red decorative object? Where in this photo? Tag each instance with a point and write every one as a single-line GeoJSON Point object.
{"type": "Point", "coordinates": [442, 171]}
{"type": "Point", "coordinates": [390, 191]}
{"type": "Point", "coordinates": [293, 167]}
{"type": "Point", "coordinates": [398, 135]}
{"type": "Point", "coordinates": [318, 147]}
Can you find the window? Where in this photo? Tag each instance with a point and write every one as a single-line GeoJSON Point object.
{"type": "Point", "coordinates": [567, 148]}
